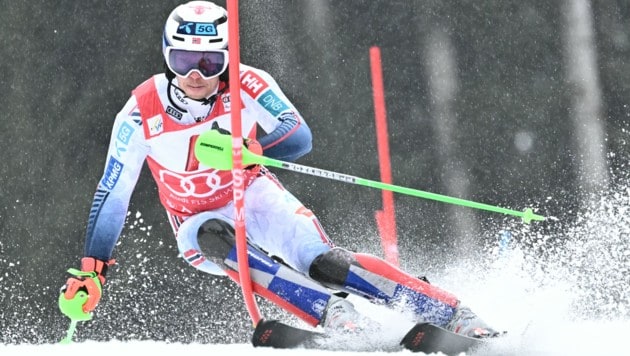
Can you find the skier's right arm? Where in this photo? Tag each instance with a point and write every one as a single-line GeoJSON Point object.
{"type": "Point", "coordinates": [125, 158]}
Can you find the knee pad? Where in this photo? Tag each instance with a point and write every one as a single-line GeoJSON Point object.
{"type": "Point", "coordinates": [331, 268]}
{"type": "Point", "coordinates": [214, 235]}
{"type": "Point", "coordinates": [216, 239]}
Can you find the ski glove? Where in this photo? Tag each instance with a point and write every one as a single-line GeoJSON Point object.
{"type": "Point", "coordinates": [252, 145]}
{"type": "Point", "coordinates": [91, 286]}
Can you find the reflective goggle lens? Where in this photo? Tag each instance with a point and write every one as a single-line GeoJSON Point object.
{"type": "Point", "coordinates": [208, 63]}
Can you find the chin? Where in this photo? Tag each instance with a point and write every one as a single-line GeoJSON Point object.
{"type": "Point", "coordinates": [196, 94]}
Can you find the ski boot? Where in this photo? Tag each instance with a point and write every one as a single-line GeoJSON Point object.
{"type": "Point", "coordinates": [465, 322]}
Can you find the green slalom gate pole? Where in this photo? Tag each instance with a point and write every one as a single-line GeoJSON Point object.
{"type": "Point", "coordinates": [215, 150]}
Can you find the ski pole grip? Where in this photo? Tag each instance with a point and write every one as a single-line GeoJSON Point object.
{"type": "Point", "coordinates": [73, 307]}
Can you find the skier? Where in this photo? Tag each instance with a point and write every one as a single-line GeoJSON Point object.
{"type": "Point", "coordinates": [160, 123]}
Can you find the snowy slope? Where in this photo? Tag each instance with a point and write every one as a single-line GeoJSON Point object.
{"type": "Point", "coordinates": [556, 293]}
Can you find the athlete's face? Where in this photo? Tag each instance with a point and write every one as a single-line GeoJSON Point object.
{"type": "Point", "coordinates": [196, 87]}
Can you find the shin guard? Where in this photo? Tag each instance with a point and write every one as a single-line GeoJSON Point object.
{"type": "Point", "coordinates": [272, 280]}
{"type": "Point", "coordinates": [375, 279]}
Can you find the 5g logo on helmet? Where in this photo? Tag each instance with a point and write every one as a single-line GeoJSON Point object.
{"type": "Point", "coordinates": [197, 28]}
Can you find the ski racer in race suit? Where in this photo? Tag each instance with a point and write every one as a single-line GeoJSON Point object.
{"type": "Point", "coordinates": [160, 123]}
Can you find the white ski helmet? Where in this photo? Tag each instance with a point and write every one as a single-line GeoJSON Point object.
{"type": "Point", "coordinates": [196, 26]}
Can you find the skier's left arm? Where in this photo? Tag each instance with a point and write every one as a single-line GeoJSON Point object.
{"type": "Point", "coordinates": [287, 136]}
{"type": "Point", "coordinates": [289, 141]}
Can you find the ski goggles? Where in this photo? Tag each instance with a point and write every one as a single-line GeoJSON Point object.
{"type": "Point", "coordinates": [208, 63]}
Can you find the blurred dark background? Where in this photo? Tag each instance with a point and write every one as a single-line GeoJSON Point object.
{"type": "Point", "coordinates": [512, 103]}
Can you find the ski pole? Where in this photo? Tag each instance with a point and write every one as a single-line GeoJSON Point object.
{"type": "Point", "coordinates": [215, 150]}
{"type": "Point", "coordinates": [70, 332]}
{"type": "Point", "coordinates": [73, 307]}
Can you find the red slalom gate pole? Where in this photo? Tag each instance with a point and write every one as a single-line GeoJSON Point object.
{"type": "Point", "coordinates": [237, 159]}
{"type": "Point", "coordinates": [386, 218]}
